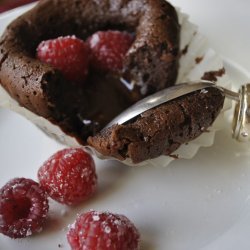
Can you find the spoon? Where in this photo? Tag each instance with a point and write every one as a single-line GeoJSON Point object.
{"type": "Point", "coordinates": [241, 122]}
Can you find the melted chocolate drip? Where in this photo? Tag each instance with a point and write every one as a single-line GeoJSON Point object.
{"type": "Point", "coordinates": [98, 101]}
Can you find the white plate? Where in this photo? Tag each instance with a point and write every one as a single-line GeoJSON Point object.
{"type": "Point", "coordinates": [201, 203]}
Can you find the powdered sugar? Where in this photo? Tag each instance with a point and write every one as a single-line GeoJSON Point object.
{"type": "Point", "coordinates": [203, 91]}
{"type": "Point", "coordinates": [96, 217]}
{"type": "Point", "coordinates": [95, 40]}
{"type": "Point", "coordinates": [107, 229]}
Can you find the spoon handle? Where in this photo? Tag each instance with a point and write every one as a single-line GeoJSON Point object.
{"type": "Point", "coordinates": [241, 121]}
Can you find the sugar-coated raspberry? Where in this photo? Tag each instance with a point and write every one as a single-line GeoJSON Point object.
{"type": "Point", "coordinates": [69, 176]}
{"type": "Point", "coordinates": [23, 208]}
{"type": "Point", "coordinates": [108, 49]}
{"type": "Point", "coordinates": [103, 230]}
{"type": "Point", "coordinates": [68, 54]}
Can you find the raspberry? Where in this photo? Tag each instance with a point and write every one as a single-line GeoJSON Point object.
{"type": "Point", "coordinates": [69, 176]}
{"type": "Point", "coordinates": [103, 230]}
{"type": "Point", "coordinates": [108, 49]}
{"type": "Point", "coordinates": [23, 208]}
{"type": "Point", "coordinates": [68, 54]}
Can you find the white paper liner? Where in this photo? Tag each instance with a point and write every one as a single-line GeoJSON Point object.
{"type": "Point", "coordinates": [197, 47]}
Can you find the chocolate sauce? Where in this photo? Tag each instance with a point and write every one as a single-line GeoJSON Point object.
{"type": "Point", "coordinates": [198, 59]}
{"type": "Point", "coordinates": [102, 98]}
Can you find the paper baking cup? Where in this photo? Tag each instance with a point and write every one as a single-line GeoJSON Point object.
{"type": "Point", "coordinates": [194, 47]}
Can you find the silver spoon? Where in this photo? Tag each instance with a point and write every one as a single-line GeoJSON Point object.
{"type": "Point", "coordinates": [241, 123]}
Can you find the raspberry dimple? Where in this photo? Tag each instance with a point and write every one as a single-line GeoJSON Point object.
{"type": "Point", "coordinates": [103, 230]}
{"type": "Point", "coordinates": [69, 176]}
{"type": "Point", "coordinates": [23, 208]}
{"type": "Point", "coordinates": [68, 54]}
{"type": "Point", "coordinates": [108, 49]}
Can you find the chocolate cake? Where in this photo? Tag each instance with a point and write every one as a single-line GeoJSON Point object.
{"type": "Point", "coordinates": [150, 64]}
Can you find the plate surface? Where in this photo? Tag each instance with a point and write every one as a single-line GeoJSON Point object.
{"type": "Point", "coordinates": [201, 203]}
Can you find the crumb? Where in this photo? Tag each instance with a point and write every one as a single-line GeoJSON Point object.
{"type": "Point", "coordinates": [213, 75]}
{"type": "Point", "coordinates": [198, 59]}
{"type": "Point", "coordinates": [185, 50]}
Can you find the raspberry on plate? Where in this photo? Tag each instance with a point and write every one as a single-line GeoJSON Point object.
{"type": "Point", "coordinates": [68, 54]}
{"type": "Point", "coordinates": [69, 176]}
{"type": "Point", "coordinates": [108, 49]}
{"type": "Point", "coordinates": [23, 208]}
{"type": "Point", "coordinates": [103, 230]}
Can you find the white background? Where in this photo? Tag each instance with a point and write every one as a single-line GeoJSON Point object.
{"type": "Point", "coordinates": [226, 24]}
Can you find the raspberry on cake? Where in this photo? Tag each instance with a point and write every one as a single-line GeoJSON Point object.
{"type": "Point", "coordinates": [23, 208]}
{"type": "Point", "coordinates": [69, 176]}
{"type": "Point", "coordinates": [108, 49]}
{"type": "Point", "coordinates": [68, 54]}
{"type": "Point", "coordinates": [103, 230]}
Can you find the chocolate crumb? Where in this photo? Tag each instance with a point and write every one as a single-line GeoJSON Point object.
{"type": "Point", "coordinates": [185, 50]}
{"type": "Point", "coordinates": [213, 75]}
{"type": "Point", "coordinates": [60, 246]}
{"type": "Point", "coordinates": [198, 59]}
